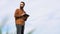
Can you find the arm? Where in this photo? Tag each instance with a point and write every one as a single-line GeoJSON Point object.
{"type": "Point", "coordinates": [25, 16]}
{"type": "Point", "coordinates": [17, 13]}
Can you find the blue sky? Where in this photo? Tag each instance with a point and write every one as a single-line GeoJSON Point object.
{"type": "Point", "coordinates": [44, 16]}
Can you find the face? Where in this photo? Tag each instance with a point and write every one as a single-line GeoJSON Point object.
{"type": "Point", "coordinates": [21, 4]}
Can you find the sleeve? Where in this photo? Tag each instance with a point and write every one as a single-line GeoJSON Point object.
{"type": "Point", "coordinates": [16, 13]}
{"type": "Point", "coordinates": [26, 16]}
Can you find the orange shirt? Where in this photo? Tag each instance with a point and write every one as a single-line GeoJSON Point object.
{"type": "Point", "coordinates": [19, 13]}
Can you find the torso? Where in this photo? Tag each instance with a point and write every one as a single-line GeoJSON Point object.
{"type": "Point", "coordinates": [19, 21]}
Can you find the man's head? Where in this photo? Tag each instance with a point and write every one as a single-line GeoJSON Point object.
{"type": "Point", "coordinates": [22, 4]}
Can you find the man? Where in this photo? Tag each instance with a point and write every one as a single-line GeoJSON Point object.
{"type": "Point", "coordinates": [20, 18]}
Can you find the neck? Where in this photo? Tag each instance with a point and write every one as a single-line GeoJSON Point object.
{"type": "Point", "coordinates": [21, 8]}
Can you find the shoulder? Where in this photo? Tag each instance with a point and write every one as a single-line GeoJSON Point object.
{"type": "Point", "coordinates": [17, 9]}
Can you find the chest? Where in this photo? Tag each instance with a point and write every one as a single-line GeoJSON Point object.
{"type": "Point", "coordinates": [19, 12]}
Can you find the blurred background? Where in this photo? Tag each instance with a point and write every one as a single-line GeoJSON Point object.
{"type": "Point", "coordinates": [44, 16]}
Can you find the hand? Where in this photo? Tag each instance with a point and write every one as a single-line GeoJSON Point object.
{"type": "Point", "coordinates": [23, 14]}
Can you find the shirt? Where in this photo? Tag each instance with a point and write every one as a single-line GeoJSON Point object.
{"type": "Point", "coordinates": [20, 16]}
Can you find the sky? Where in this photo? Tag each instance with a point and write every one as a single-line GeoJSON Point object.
{"type": "Point", "coordinates": [44, 16]}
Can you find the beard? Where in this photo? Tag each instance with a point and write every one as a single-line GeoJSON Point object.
{"type": "Point", "coordinates": [21, 7]}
